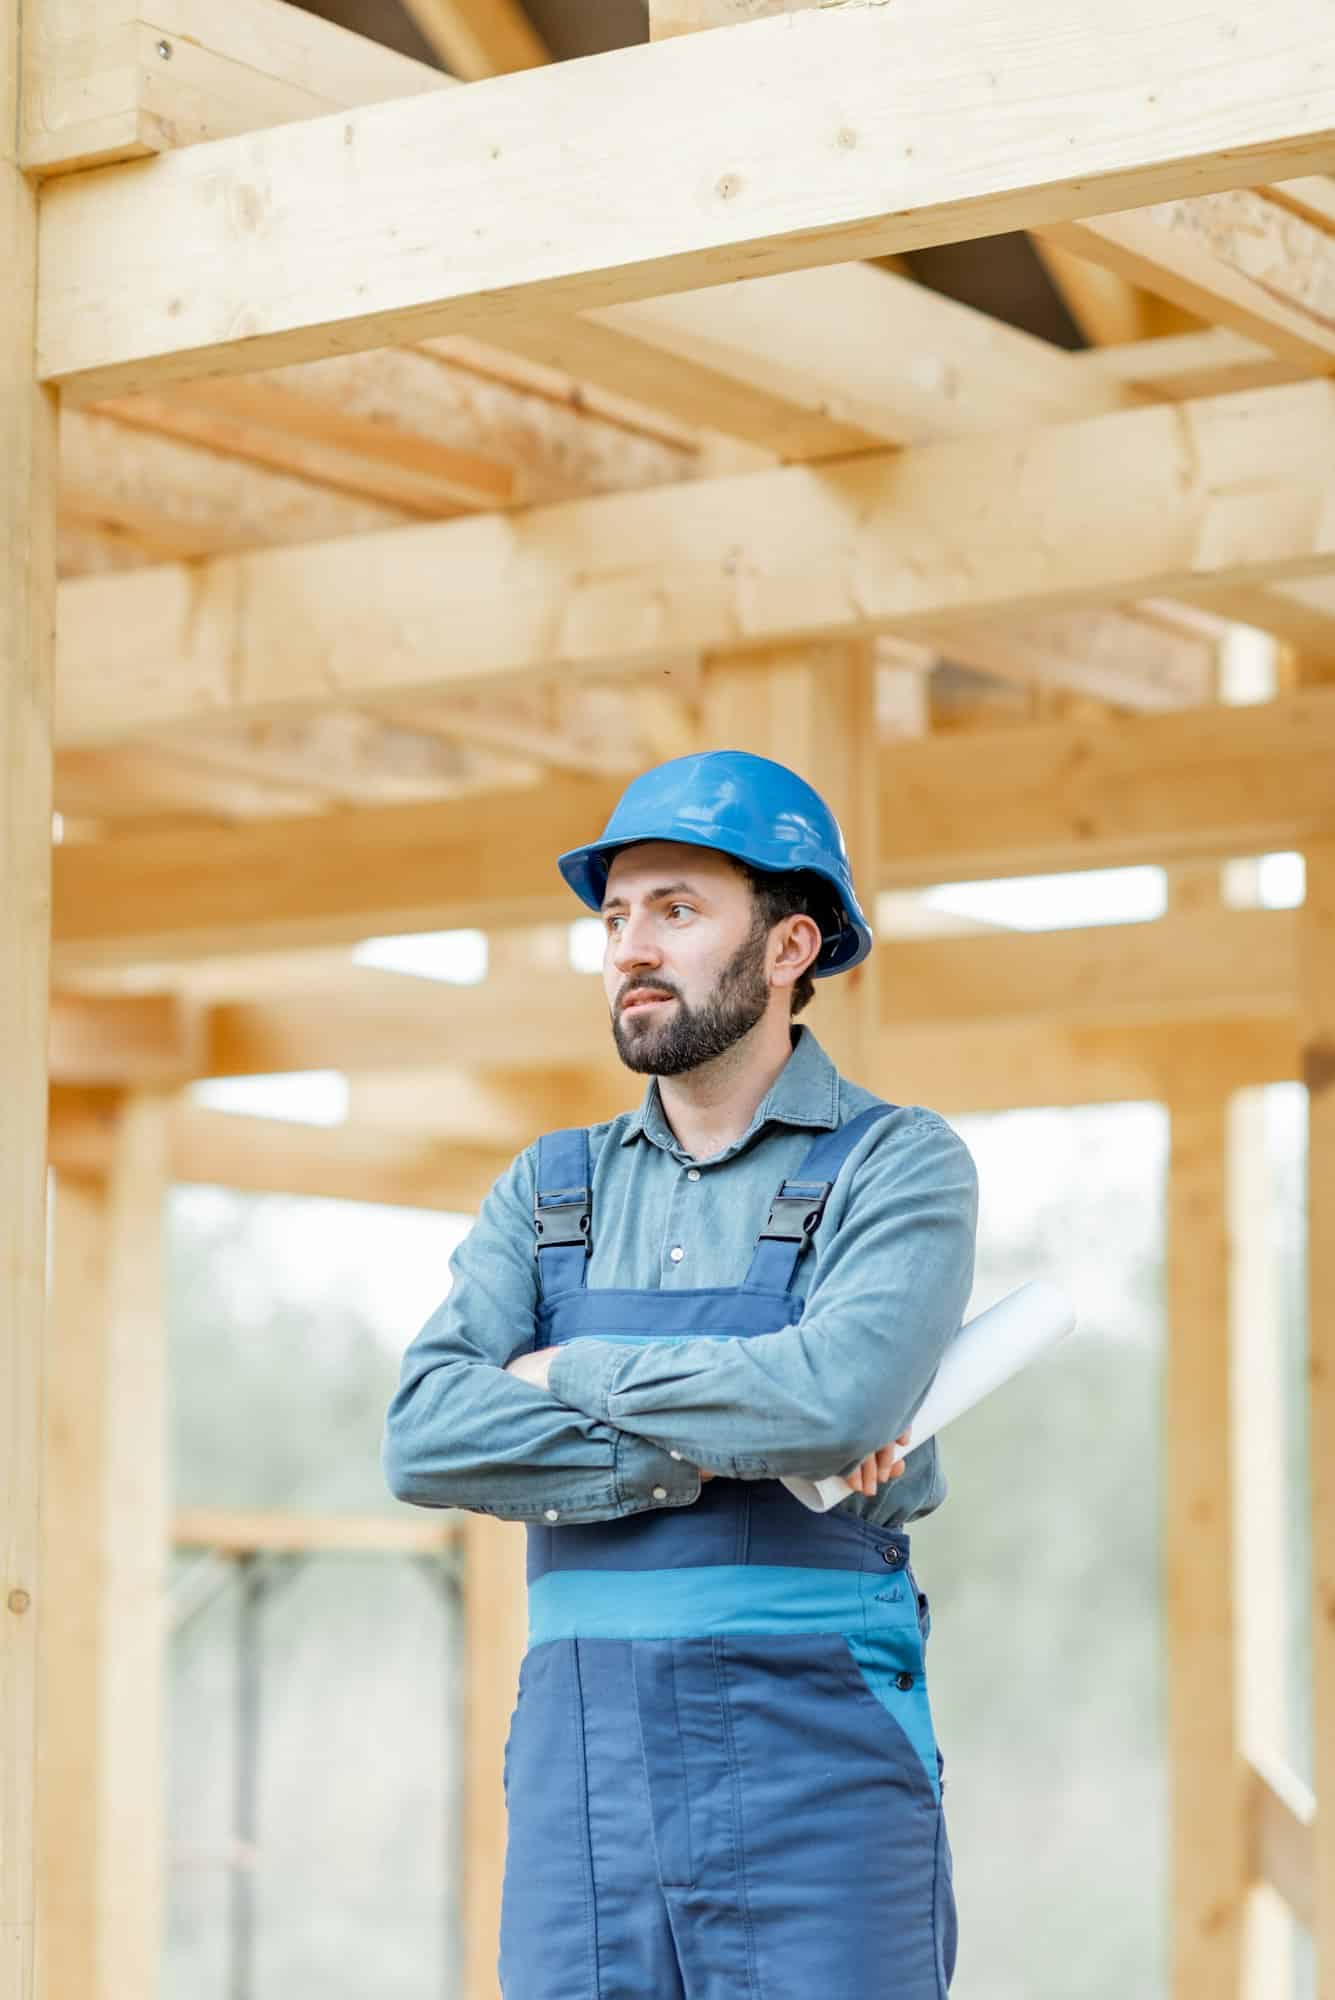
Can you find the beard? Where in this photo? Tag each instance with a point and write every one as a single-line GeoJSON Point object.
{"type": "Point", "coordinates": [695, 1035]}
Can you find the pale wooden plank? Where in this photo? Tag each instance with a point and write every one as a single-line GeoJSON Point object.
{"type": "Point", "coordinates": [813, 708]}
{"type": "Point", "coordinates": [1283, 1841]}
{"type": "Point", "coordinates": [27, 614]}
{"type": "Point", "coordinates": [69, 1717]}
{"type": "Point", "coordinates": [107, 80]}
{"type": "Point", "coordinates": [716, 157]}
{"type": "Point", "coordinates": [1316, 1030]}
{"type": "Point", "coordinates": [123, 1038]}
{"type": "Point", "coordinates": [243, 1530]}
{"type": "Point", "coordinates": [495, 1636]}
{"type": "Point", "coordinates": [1209, 1785]}
{"type": "Point", "coordinates": [132, 1525]}
{"type": "Point", "coordinates": [1235, 258]}
{"type": "Point", "coordinates": [1227, 489]}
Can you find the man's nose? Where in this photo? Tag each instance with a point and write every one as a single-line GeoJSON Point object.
{"type": "Point", "coordinates": [634, 944]}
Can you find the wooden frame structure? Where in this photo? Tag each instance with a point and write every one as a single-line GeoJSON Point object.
{"type": "Point", "coordinates": [392, 468]}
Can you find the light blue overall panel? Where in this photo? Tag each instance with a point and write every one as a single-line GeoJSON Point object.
{"type": "Point", "coordinates": [876, 1616]}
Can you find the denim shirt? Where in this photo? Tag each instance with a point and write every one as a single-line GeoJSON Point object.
{"type": "Point", "coordinates": [622, 1428]}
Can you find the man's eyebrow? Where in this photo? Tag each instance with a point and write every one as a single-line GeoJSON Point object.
{"type": "Point", "coordinates": [654, 896]}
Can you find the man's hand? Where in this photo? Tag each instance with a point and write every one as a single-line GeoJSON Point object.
{"type": "Point", "coordinates": [877, 1465]}
{"type": "Point", "coordinates": [534, 1368]}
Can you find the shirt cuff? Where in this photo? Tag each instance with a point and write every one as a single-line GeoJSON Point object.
{"type": "Point", "coordinates": [647, 1474]}
{"type": "Point", "coordinates": [581, 1376]}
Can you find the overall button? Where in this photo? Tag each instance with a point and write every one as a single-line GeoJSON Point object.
{"type": "Point", "coordinates": [904, 1682]}
{"type": "Point", "coordinates": [676, 1253]}
{"type": "Point", "coordinates": [890, 1556]}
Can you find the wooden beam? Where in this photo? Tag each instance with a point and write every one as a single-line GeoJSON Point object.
{"type": "Point", "coordinates": [242, 1531]}
{"type": "Point", "coordinates": [1234, 488]}
{"type": "Point", "coordinates": [132, 1527]}
{"type": "Point", "coordinates": [123, 1038]}
{"type": "Point", "coordinates": [479, 38]}
{"type": "Point", "coordinates": [1208, 1778]}
{"type": "Point", "coordinates": [1316, 1029]}
{"type": "Point", "coordinates": [346, 248]}
{"type": "Point", "coordinates": [281, 1156]}
{"type": "Point", "coordinates": [817, 364]}
{"type": "Point", "coordinates": [69, 1718]}
{"type": "Point", "coordinates": [107, 81]}
{"type": "Point", "coordinates": [1214, 362]}
{"type": "Point", "coordinates": [495, 1639]}
{"type": "Point", "coordinates": [1236, 258]}
{"type": "Point", "coordinates": [1282, 1838]}
{"type": "Point", "coordinates": [27, 617]}
{"type": "Point", "coordinates": [1209, 783]}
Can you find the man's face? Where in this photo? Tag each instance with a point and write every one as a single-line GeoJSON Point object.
{"type": "Point", "coordinates": [681, 935]}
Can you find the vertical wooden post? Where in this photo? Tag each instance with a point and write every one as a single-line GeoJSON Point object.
{"type": "Point", "coordinates": [1259, 1475]}
{"type": "Point", "coordinates": [27, 613]}
{"type": "Point", "coordinates": [495, 1624]}
{"type": "Point", "coordinates": [134, 1519]}
{"type": "Point", "coordinates": [1316, 1039]}
{"type": "Point", "coordinates": [1207, 1773]}
{"type": "Point", "coordinates": [813, 707]}
{"type": "Point", "coordinates": [685, 17]}
{"type": "Point", "coordinates": [70, 1634]}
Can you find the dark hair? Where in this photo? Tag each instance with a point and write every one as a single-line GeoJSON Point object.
{"type": "Point", "coordinates": [797, 893]}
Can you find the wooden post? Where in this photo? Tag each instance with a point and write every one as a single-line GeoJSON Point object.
{"type": "Point", "coordinates": [813, 707]}
{"type": "Point", "coordinates": [27, 612]}
{"type": "Point", "coordinates": [495, 1625]}
{"type": "Point", "coordinates": [1259, 1525]}
{"type": "Point", "coordinates": [135, 1527]}
{"type": "Point", "coordinates": [1207, 1773]}
{"type": "Point", "coordinates": [1316, 1034]}
{"type": "Point", "coordinates": [685, 17]}
{"type": "Point", "coordinates": [73, 1448]}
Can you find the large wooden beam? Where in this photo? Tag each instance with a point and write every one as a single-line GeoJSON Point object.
{"type": "Point", "coordinates": [807, 140]}
{"type": "Point", "coordinates": [1316, 1027]}
{"type": "Point", "coordinates": [1239, 488]}
{"type": "Point", "coordinates": [1210, 1786]}
{"type": "Point", "coordinates": [1239, 258]}
{"type": "Point", "coordinates": [27, 614]}
{"type": "Point", "coordinates": [111, 80]}
{"type": "Point", "coordinates": [1195, 783]}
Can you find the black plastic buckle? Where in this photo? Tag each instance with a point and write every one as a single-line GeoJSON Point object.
{"type": "Point", "coordinates": [564, 1221]}
{"type": "Point", "coordinates": [794, 1218]}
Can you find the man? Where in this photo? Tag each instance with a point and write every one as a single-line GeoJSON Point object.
{"type": "Point", "coordinates": [722, 1775]}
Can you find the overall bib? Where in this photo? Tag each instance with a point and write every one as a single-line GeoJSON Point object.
{"type": "Point", "coordinates": [722, 1776]}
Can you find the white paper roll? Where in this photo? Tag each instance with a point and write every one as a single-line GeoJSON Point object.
{"type": "Point", "coordinates": [986, 1352]}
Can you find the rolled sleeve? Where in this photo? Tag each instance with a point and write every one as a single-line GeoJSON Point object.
{"type": "Point", "coordinates": [888, 1293]}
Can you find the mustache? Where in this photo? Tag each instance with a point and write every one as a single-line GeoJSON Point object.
{"type": "Point", "coordinates": [647, 992]}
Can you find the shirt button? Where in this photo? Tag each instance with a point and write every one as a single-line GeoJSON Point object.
{"type": "Point", "coordinates": [694, 1174]}
{"type": "Point", "coordinates": [676, 1253]}
{"type": "Point", "coordinates": [553, 1514]}
{"type": "Point", "coordinates": [674, 1454]}
{"type": "Point", "coordinates": [660, 1492]}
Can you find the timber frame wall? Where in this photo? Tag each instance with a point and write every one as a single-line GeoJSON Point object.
{"type": "Point", "coordinates": [391, 468]}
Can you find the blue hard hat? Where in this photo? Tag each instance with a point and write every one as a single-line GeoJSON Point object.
{"type": "Point", "coordinates": [749, 807]}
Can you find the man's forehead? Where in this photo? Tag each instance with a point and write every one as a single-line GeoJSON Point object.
{"type": "Point", "coordinates": [661, 858]}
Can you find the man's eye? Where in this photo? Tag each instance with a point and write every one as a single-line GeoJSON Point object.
{"type": "Point", "coordinates": [678, 906]}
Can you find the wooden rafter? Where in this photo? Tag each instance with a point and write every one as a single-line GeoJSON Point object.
{"type": "Point", "coordinates": [345, 248]}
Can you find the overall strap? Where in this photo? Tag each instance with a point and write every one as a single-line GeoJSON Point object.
{"type": "Point", "coordinates": [563, 1210]}
{"type": "Point", "coordinates": [800, 1203]}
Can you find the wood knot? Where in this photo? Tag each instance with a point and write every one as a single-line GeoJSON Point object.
{"type": "Point", "coordinates": [19, 1600]}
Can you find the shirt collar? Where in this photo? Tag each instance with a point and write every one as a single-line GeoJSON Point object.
{"type": "Point", "coordinates": [805, 1092]}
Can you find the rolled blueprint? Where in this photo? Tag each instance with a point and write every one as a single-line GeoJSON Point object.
{"type": "Point", "coordinates": [986, 1352]}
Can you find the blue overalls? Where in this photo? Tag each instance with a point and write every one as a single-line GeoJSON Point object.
{"type": "Point", "coordinates": [722, 1774]}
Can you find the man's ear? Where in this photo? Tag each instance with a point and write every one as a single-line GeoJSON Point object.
{"type": "Point", "coordinates": [799, 948]}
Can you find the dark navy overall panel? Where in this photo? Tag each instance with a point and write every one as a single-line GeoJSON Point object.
{"type": "Point", "coordinates": [722, 1775]}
